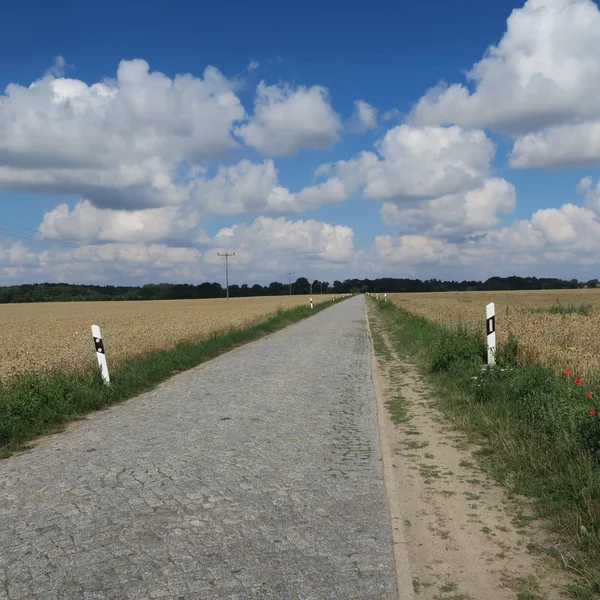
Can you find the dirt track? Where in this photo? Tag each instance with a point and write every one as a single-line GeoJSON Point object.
{"type": "Point", "coordinates": [464, 538]}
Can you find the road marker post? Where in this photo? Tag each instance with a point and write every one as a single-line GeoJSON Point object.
{"type": "Point", "coordinates": [311, 304]}
{"type": "Point", "coordinates": [100, 354]}
{"type": "Point", "coordinates": [490, 321]}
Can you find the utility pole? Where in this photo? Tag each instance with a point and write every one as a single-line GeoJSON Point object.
{"type": "Point", "coordinates": [290, 273]}
{"type": "Point", "coordinates": [227, 255]}
{"type": "Point", "coordinates": [310, 284]}
{"type": "Point", "coordinates": [321, 288]}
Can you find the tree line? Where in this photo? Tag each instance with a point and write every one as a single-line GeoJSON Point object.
{"type": "Point", "coordinates": [65, 292]}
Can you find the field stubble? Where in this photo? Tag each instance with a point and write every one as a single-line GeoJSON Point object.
{"type": "Point", "coordinates": [57, 336]}
{"type": "Point", "coordinates": [570, 340]}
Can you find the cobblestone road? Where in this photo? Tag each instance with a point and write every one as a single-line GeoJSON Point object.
{"type": "Point", "coordinates": [256, 475]}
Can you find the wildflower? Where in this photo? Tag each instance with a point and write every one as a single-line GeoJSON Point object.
{"type": "Point", "coordinates": [165, 346]}
{"type": "Point", "coordinates": [592, 411]}
{"type": "Point", "coordinates": [567, 371]}
{"type": "Point", "coordinates": [590, 394]}
{"type": "Point", "coordinates": [578, 381]}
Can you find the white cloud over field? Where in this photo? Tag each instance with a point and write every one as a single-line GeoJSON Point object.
{"type": "Point", "coordinates": [540, 83]}
{"type": "Point", "coordinates": [157, 173]}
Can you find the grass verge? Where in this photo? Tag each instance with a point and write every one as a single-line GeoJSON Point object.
{"type": "Point", "coordinates": [36, 404]}
{"type": "Point", "coordinates": [535, 431]}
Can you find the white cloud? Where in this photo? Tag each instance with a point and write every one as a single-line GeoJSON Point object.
{"type": "Point", "coordinates": [295, 241]}
{"type": "Point", "coordinates": [560, 146]}
{"type": "Point", "coordinates": [545, 71]}
{"type": "Point", "coordinates": [287, 120]}
{"type": "Point", "coordinates": [244, 187]}
{"type": "Point", "coordinates": [253, 65]}
{"type": "Point", "coordinates": [413, 250]}
{"type": "Point", "coordinates": [364, 117]}
{"type": "Point", "coordinates": [554, 242]}
{"type": "Point", "coordinates": [117, 143]}
{"type": "Point", "coordinates": [418, 164]}
{"type": "Point", "coordinates": [247, 187]}
{"type": "Point", "coordinates": [58, 66]}
{"type": "Point", "coordinates": [271, 245]}
{"type": "Point", "coordinates": [473, 211]}
{"type": "Point", "coordinates": [87, 223]}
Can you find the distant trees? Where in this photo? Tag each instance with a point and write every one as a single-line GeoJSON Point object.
{"type": "Point", "coordinates": [301, 286]}
{"type": "Point", "coordinates": [64, 292]}
{"type": "Point", "coordinates": [275, 288]}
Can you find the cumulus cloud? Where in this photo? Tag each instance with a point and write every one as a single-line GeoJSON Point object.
{"type": "Point", "coordinates": [118, 143]}
{"type": "Point", "coordinates": [144, 142]}
{"type": "Point", "coordinates": [560, 146]}
{"type": "Point", "coordinates": [296, 240]}
{"type": "Point", "coordinates": [247, 187]}
{"type": "Point", "coordinates": [413, 250]}
{"type": "Point", "coordinates": [545, 71]}
{"type": "Point", "coordinates": [86, 223]}
{"type": "Point", "coordinates": [363, 118]}
{"type": "Point", "coordinates": [241, 188]}
{"type": "Point", "coordinates": [418, 163]}
{"type": "Point", "coordinates": [288, 119]}
{"type": "Point", "coordinates": [568, 236]}
{"type": "Point", "coordinates": [267, 245]}
{"type": "Point", "coordinates": [541, 84]}
{"type": "Point", "coordinates": [465, 213]}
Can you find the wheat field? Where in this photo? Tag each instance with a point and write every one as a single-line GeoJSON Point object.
{"type": "Point", "coordinates": [562, 341]}
{"type": "Point", "coordinates": [48, 336]}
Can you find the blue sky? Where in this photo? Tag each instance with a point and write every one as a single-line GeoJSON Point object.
{"type": "Point", "coordinates": [312, 143]}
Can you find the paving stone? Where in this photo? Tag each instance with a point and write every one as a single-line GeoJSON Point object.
{"type": "Point", "coordinates": [256, 475]}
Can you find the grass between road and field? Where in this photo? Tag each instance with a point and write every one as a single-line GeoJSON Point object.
{"type": "Point", "coordinates": [34, 404]}
{"type": "Point", "coordinates": [535, 432]}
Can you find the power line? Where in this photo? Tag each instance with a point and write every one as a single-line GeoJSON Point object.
{"type": "Point", "coordinates": [226, 256]}
{"type": "Point", "coordinates": [45, 236]}
{"type": "Point", "coordinates": [67, 242]}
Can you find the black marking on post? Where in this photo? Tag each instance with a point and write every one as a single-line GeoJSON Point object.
{"type": "Point", "coordinates": [491, 325]}
{"type": "Point", "coordinates": [99, 345]}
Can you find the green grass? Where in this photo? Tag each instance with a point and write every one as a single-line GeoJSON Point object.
{"type": "Point", "coordinates": [534, 431]}
{"type": "Point", "coordinates": [558, 309]}
{"type": "Point", "coordinates": [36, 404]}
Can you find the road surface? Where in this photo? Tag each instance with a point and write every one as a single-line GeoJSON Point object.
{"type": "Point", "coordinates": [256, 475]}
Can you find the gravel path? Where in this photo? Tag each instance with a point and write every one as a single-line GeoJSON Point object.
{"type": "Point", "coordinates": [256, 475]}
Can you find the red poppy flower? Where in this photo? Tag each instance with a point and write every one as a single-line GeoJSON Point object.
{"type": "Point", "coordinates": [578, 381]}
{"type": "Point", "coordinates": [165, 346]}
{"type": "Point", "coordinates": [592, 411]}
{"type": "Point", "coordinates": [567, 371]}
{"type": "Point", "coordinates": [590, 394]}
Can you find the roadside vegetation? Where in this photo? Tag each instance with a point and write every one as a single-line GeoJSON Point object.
{"type": "Point", "coordinates": [538, 433]}
{"type": "Point", "coordinates": [34, 404]}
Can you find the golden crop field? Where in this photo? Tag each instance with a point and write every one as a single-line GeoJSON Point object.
{"type": "Point", "coordinates": [562, 341]}
{"type": "Point", "coordinates": [57, 335]}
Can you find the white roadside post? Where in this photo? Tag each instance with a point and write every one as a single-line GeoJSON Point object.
{"type": "Point", "coordinates": [97, 334]}
{"type": "Point", "coordinates": [385, 297]}
{"type": "Point", "coordinates": [332, 297]}
{"type": "Point", "coordinates": [311, 304]}
{"type": "Point", "coordinates": [490, 319]}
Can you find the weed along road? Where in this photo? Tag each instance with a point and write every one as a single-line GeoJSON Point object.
{"type": "Point", "coordinates": [256, 475]}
